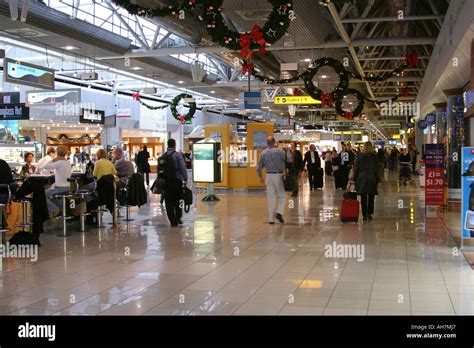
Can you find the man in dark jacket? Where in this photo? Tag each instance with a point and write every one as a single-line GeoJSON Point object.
{"type": "Point", "coordinates": [313, 164]}
{"type": "Point", "coordinates": [295, 166]}
{"type": "Point", "coordinates": [175, 176]}
{"type": "Point", "coordinates": [142, 164]}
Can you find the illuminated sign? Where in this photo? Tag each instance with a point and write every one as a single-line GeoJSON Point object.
{"type": "Point", "coordinates": [9, 112]}
{"type": "Point", "coordinates": [53, 97]}
{"type": "Point", "coordinates": [28, 74]}
{"type": "Point", "coordinates": [295, 100]}
{"type": "Point", "coordinates": [206, 163]}
{"type": "Point", "coordinates": [92, 116]}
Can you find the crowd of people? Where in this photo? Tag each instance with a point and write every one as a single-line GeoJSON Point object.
{"type": "Point", "coordinates": [359, 169]}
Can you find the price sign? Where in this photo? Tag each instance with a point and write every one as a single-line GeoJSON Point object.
{"type": "Point", "coordinates": [434, 174]}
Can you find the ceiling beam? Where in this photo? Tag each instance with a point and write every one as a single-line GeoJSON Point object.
{"type": "Point", "coordinates": [388, 41]}
{"type": "Point", "coordinates": [391, 19]}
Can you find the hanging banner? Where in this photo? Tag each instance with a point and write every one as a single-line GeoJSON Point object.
{"type": "Point", "coordinates": [467, 187]}
{"type": "Point", "coordinates": [52, 97]}
{"type": "Point", "coordinates": [434, 174]}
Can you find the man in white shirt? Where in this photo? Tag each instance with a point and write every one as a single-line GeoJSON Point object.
{"type": "Point", "coordinates": [50, 154]}
{"type": "Point", "coordinates": [62, 172]}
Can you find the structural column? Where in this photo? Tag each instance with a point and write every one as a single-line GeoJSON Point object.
{"type": "Point", "coordinates": [455, 140]}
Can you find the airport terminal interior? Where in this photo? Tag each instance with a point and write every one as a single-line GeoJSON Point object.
{"type": "Point", "coordinates": [236, 157]}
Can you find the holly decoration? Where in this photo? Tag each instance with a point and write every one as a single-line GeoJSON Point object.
{"type": "Point", "coordinates": [136, 9]}
{"type": "Point", "coordinates": [174, 110]}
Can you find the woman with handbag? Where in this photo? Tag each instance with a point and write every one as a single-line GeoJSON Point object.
{"type": "Point", "coordinates": [366, 178]}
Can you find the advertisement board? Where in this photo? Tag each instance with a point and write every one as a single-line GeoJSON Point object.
{"type": "Point", "coordinates": [467, 187]}
{"type": "Point", "coordinates": [434, 174]}
{"type": "Point", "coordinates": [260, 140]}
{"type": "Point", "coordinates": [206, 166]}
{"type": "Point", "coordinates": [52, 97]}
{"type": "Point", "coordinates": [28, 74]}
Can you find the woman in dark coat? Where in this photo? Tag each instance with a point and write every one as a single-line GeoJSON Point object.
{"type": "Point", "coordinates": [142, 164]}
{"type": "Point", "coordinates": [366, 177]}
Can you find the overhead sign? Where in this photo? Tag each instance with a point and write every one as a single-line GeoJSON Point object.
{"type": "Point", "coordinates": [28, 74]}
{"type": "Point", "coordinates": [92, 116]}
{"type": "Point", "coordinates": [52, 97]}
{"type": "Point", "coordinates": [10, 112]}
{"type": "Point", "coordinates": [241, 127]}
{"type": "Point", "coordinates": [250, 101]}
{"type": "Point", "coordinates": [329, 117]}
{"type": "Point", "coordinates": [295, 100]}
{"type": "Point", "coordinates": [434, 174]}
{"type": "Point", "coordinates": [10, 98]}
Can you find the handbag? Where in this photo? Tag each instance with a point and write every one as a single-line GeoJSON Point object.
{"type": "Point", "coordinates": [158, 186]}
{"type": "Point", "coordinates": [187, 198]}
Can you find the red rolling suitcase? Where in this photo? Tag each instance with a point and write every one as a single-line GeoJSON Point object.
{"type": "Point", "coordinates": [350, 210]}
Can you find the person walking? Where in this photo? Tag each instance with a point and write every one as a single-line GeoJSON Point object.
{"type": "Point", "coordinates": [171, 165]}
{"type": "Point", "coordinates": [295, 167]}
{"type": "Point", "coordinates": [328, 163]}
{"type": "Point", "coordinates": [381, 163]}
{"type": "Point", "coordinates": [313, 165]}
{"type": "Point", "coordinates": [273, 160]}
{"type": "Point", "coordinates": [142, 164]}
{"type": "Point", "coordinates": [414, 158]}
{"type": "Point", "coordinates": [366, 178]}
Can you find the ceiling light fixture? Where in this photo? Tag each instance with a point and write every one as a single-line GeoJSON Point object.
{"type": "Point", "coordinates": [181, 82]}
{"type": "Point", "coordinates": [70, 48]}
{"type": "Point", "coordinates": [137, 68]}
{"type": "Point", "coordinates": [212, 92]}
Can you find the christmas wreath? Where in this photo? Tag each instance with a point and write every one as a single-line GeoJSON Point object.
{"type": "Point", "coordinates": [178, 11]}
{"type": "Point", "coordinates": [258, 38]}
{"type": "Point", "coordinates": [174, 110]}
{"type": "Point", "coordinates": [357, 111]}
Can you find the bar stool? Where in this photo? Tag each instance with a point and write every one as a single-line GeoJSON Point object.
{"type": "Point", "coordinates": [82, 193]}
{"type": "Point", "coordinates": [64, 197]}
{"type": "Point", "coordinates": [5, 199]}
{"type": "Point", "coordinates": [25, 225]}
{"type": "Point", "coordinates": [126, 205]}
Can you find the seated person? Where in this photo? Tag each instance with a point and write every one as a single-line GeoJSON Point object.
{"type": "Point", "coordinates": [62, 172]}
{"type": "Point", "coordinates": [28, 167]}
{"type": "Point", "coordinates": [103, 166]}
{"type": "Point", "coordinates": [50, 154]}
{"type": "Point", "coordinates": [125, 169]}
{"type": "Point", "coordinates": [6, 178]}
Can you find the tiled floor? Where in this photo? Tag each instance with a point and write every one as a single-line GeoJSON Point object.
{"type": "Point", "coordinates": [227, 260]}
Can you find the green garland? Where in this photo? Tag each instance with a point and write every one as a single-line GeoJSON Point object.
{"type": "Point", "coordinates": [274, 29]}
{"type": "Point", "coordinates": [151, 107]}
{"type": "Point", "coordinates": [175, 113]}
{"type": "Point", "coordinates": [135, 9]}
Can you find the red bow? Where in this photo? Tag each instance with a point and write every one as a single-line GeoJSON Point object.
{"type": "Point", "coordinates": [247, 68]}
{"type": "Point", "coordinates": [182, 119]}
{"type": "Point", "coordinates": [405, 92]}
{"type": "Point", "coordinates": [256, 35]}
{"type": "Point", "coordinates": [136, 96]}
{"type": "Point", "coordinates": [296, 92]}
{"type": "Point", "coordinates": [412, 59]}
{"type": "Point", "coordinates": [349, 115]}
{"type": "Point", "coordinates": [326, 97]}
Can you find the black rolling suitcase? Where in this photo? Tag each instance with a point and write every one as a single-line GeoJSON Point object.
{"type": "Point", "coordinates": [319, 178]}
{"type": "Point", "coordinates": [338, 178]}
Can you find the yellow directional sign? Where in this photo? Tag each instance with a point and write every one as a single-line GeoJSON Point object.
{"type": "Point", "coordinates": [295, 100]}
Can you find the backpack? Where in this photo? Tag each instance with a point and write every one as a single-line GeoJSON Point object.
{"type": "Point", "coordinates": [166, 173]}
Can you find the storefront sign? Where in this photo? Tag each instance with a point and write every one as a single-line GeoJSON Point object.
{"type": "Point", "coordinates": [9, 112]}
{"type": "Point", "coordinates": [467, 184]}
{"type": "Point", "coordinates": [295, 100]}
{"type": "Point", "coordinates": [124, 113]}
{"type": "Point", "coordinates": [434, 174]}
{"type": "Point", "coordinates": [206, 166]}
{"type": "Point", "coordinates": [10, 98]}
{"type": "Point", "coordinates": [92, 116]}
{"type": "Point", "coordinates": [28, 74]}
{"type": "Point", "coordinates": [329, 117]}
{"type": "Point", "coordinates": [66, 96]}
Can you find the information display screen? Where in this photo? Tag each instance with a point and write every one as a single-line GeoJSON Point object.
{"type": "Point", "coordinates": [206, 164]}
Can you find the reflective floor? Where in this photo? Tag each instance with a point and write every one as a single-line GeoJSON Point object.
{"type": "Point", "coordinates": [227, 260]}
